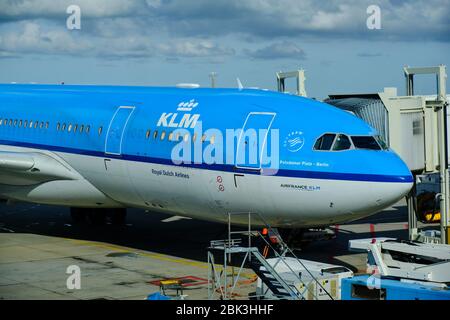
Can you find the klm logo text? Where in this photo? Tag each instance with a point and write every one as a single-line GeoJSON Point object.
{"type": "Point", "coordinates": [172, 120]}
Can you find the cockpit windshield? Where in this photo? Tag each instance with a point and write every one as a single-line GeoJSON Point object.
{"type": "Point", "coordinates": [341, 142]}
{"type": "Point", "coordinates": [365, 142]}
{"type": "Point", "coordinates": [325, 142]}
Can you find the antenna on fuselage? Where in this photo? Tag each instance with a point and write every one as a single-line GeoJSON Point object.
{"type": "Point", "coordinates": [240, 86]}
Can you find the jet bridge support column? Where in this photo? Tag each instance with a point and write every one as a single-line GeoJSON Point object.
{"type": "Point", "coordinates": [299, 75]}
{"type": "Point", "coordinates": [440, 107]}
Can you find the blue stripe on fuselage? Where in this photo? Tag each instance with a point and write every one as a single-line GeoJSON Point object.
{"type": "Point", "coordinates": [217, 167]}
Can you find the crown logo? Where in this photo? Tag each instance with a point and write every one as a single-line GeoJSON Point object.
{"type": "Point", "coordinates": [187, 106]}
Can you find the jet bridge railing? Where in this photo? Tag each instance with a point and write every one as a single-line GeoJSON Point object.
{"type": "Point", "coordinates": [218, 277]}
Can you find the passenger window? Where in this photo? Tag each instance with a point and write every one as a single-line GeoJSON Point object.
{"type": "Point", "coordinates": [163, 135]}
{"type": "Point", "coordinates": [170, 136]}
{"type": "Point", "coordinates": [325, 142]}
{"type": "Point", "coordinates": [88, 128]}
{"type": "Point", "coordinates": [31, 124]}
{"type": "Point", "coordinates": [63, 127]}
{"type": "Point", "coordinates": [20, 124]}
{"type": "Point", "coordinates": [69, 128]}
{"type": "Point", "coordinates": [75, 128]}
{"type": "Point", "coordinates": [147, 135]}
{"type": "Point", "coordinates": [25, 124]}
{"type": "Point", "coordinates": [1, 121]}
{"type": "Point", "coordinates": [155, 134]}
{"type": "Point", "coordinates": [47, 125]}
{"type": "Point", "coordinates": [42, 125]}
{"type": "Point", "coordinates": [365, 142]}
{"type": "Point", "coordinates": [58, 126]}
{"type": "Point", "coordinates": [100, 129]}
{"type": "Point", "coordinates": [82, 128]}
{"type": "Point", "coordinates": [36, 123]}
{"type": "Point", "coordinates": [342, 143]}
{"type": "Point", "coordinates": [186, 137]}
{"type": "Point", "coordinates": [194, 137]}
{"type": "Point", "coordinates": [213, 139]}
{"type": "Point", "coordinates": [15, 123]}
{"type": "Point", "coordinates": [204, 138]}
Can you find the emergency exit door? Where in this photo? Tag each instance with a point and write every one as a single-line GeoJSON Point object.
{"type": "Point", "coordinates": [116, 130]}
{"type": "Point", "coordinates": [252, 143]}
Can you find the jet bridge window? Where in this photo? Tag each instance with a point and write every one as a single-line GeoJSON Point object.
{"type": "Point", "coordinates": [325, 142]}
{"type": "Point", "coordinates": [365, 142]}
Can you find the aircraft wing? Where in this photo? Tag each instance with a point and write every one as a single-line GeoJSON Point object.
{"type": "Point", "coordinates": [28, 168]}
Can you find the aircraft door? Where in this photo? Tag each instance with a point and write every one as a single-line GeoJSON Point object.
{"type": "Point", "coordinates": [116, 130]}
{"type": "Point", "coordinates": [252, 142]}
{"type": "Point", "coordinates": [116, 182]}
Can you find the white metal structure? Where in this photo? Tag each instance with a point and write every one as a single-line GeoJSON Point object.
{"type": "Point", "coordinates": [299, 75]}
{"type": "Point", "coordinates": [329, 275]}
{"type": "Point", "coordinates": [406, 260]}
{"type": "Point", "coordinates": [286, 285]}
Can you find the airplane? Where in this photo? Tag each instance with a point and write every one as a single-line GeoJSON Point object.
{"type": "Point", "coordinates": [102, 149]}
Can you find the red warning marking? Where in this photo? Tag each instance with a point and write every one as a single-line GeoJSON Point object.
{"type": "Point", "coordinates": [372, 230]}
{"type": "Point", "coordinates": [188, 281]}
{"type": "Point", "coordinates": [336, 230]}
{"type": "Point", "coordinates": [221, 188]}
{"type": "Point", "coordinates": [219, 179]}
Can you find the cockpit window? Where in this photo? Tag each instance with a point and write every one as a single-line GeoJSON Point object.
{"type": "Point", "coordinates": [365, 142]}
{"type": "Point", "coordinates": [325, 142]}
{"type": "Point", "coordinates": [342, 143]}
{"type": "Point", "coordinates": [381, 142]}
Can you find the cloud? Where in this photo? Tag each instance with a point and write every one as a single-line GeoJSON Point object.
{"type": "Point", "coordinates": [180, 29]}
{"type": "Point", "coordinates": [32, 38]}
{"type": "Point", "coordinates": [412, 20]}
{"type": "Point", "coordinates": [280, 50]}
{"type": "Point", "coordinates": [194, 49]}
{"type": "Point", "coordinates": [50, 9]}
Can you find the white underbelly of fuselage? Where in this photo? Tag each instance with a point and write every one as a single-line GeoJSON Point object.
{"type": "Point", "coordinates": [211, 195]}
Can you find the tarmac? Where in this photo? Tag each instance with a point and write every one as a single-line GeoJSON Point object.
{"type": "Point", "coordinates": [39, 243]}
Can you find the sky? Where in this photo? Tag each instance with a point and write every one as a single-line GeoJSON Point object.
{"type": "Point", "coordinates": [166, 42]}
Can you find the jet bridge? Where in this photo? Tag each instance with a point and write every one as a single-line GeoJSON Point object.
{"type": "Point", "coordinates": [414, 126]}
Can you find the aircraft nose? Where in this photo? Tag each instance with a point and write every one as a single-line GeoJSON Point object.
{"type": "Point", "coordinates": [397, 177]}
